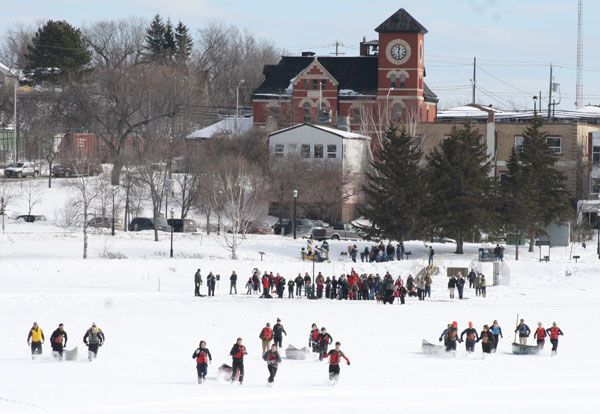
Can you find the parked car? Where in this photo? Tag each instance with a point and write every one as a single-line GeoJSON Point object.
{"type": "Point", "coordinates": [183, 226]}
{"type": "Point", "coordinates": [30, 218]}
{"type": "Point", "coordinates": [105, 222]}
{"type": "Point", "coordinates": [76, 168]}
{"type": "Point", "coordinates": [336, 231]}
{"type": "Point", "coordinates": [22, 169]}
{"type": "Point", "coordinates": [303, 227]}
{"type": "Point", "coordinates": [259, 227]}
{"type": "Point", "coordinates": [147, 223]}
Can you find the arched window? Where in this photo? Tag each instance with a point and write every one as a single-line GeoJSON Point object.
{"type": "Point", "coordinates": [393, 81]}
{"type": "Point", "coordinates": [397, 113]}
{"type": "Point", "coordinates": [402, 80]}
{"type": "Point", "coordinates": [306, 115]}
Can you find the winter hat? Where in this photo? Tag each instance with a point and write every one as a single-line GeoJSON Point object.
{"type": "Point", "coordinates": [278, 320]}
{"type": "Point", "coordinates": [455, 324]}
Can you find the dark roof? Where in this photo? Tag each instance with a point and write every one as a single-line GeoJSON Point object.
{"type": "Point", "coordinates": [401, 21]}
{"type": "Point", "coordinates": [358, 73]}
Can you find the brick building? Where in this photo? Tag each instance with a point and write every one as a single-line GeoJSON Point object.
{"type": "Point", "coordinates": [384, 83]}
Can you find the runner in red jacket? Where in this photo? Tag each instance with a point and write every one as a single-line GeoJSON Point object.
{"type": "Point", "coordinates": [554, 333]}
{"type": "Point", "coordinates": [540, 336]}
{"type": "Point", "coordinates": [335, 357]}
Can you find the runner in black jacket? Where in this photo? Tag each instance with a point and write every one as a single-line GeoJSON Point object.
{"type": "Point", "coordinates": [237, 353]}
{"type": "Point", "coordinates": [203, 357]}
{"type": "Point", "coordinates": [472, 337]}
{"type": "Point", "coordinates": [273, 360]}
{"type": "Point", "coordinates": [58, 340]}
{"type": "Point", "coordinates": [324, 341]}
{"type": "Point", "coordinates": [335, 357]}
{"type": "Point", "coordinates": [278, 331]}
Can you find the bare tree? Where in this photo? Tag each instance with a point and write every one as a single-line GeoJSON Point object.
{"type": "Point", "coordinates": [32, 194]}
{"type": "Point", "coordinates": [9, 193]}
{"type": "Point", "coordinates": [239, 187]}
{"type": "Point", "coordinates": [87, 192]}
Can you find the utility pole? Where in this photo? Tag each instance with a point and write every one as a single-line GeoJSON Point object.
{"type": "Point", "coordinates": [474, 78]}
{"type": "Point", "coordinates": [337, 45]}
{"type": "Point", "coordinates": [550, 96]}
{"type": "Point", "coordinates": [16, 126]}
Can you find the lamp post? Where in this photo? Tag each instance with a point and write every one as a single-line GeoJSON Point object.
{"type": "Point", "coordinates": [295, 193]}
{"type": "Point", "coordinates": [114, 190]}
{"type": "Point", "coordinates": [2, 213]}
{"type": "Point", "coordinates": [172, 212]}
{"type": "Point", "coordinates": [237, 104]}
{"type": "Point", "coordinates": [535, 98]}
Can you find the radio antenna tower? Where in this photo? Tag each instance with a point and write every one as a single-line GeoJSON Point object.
{"type": "Point", "coordinates": [579, 87]}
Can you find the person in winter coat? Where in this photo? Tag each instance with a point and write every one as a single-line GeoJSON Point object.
{"type": "Point", "coordinates": [93, 339]}
{"type": "Point", "coordinates": [554, 333]}
{"type": "Point", "coordinates": [482, 286]}
{"type": "Point", "coordinates": [278, 331]}
{"type": "Point", "coordinates": [265, 286]}
{"type": "Point", "coordinates": [496, 331]}
{"type": "Point", "coordinates": [353, 253]}
{"type": "Point", "coordinates": [472, 337]}
{"type": "Point", "coordinates": [256, 281]}
{"type": "Point", "coordinates": [249, 286]}
{"type": "Point", "coordinates": [540, 336]}
{"type": "Point", "coordinates": [290, 285]}
{"type": "Point", "coordinates": [487, 340]}
{"type": "Point", "coordinates": [313, 338]}
{"type": "Point", "coordinates": [471, 278]}
{"type": "Point", "coordinates": [197, 282]}
{"type": "Point", "coordinates": [523, 331]}
{"type": "Point", "coordinates": [335, 357]}
{"type": "Point", "coordinates": [307, 282]}
{"type": "Point", "coordinates": [211, 281]}
{"type": "Point", "coordinates": [266, 336]}
{"type": "Point", "coordinates": [233, 283]}
{"type": "Point", "coordinates": [58, 340]}
{"type": "Point", "coordinates": [477, 284]}
{"type": "Point", "coordinates": [431, 254]}
{"type": "Point", "coordinates": [35, 339]}
{"type": "Point", "coordinates": [428, 282]}
{"type": "Point", "coordinates": [324, 341]}
{"type": "Point", "coordinates": [280, 286]}
{"type": "Point", "coordinates": [450, 336]}
{"type": "Point", "coordinates": [402, 294]}
{"type": "Point", "coordinates": [421, 287]}
{"type": "Point", "coordinates": [334, 288]}
{"type": "Point", "coordinates": [299, 282]}
{"type": "Point", "coordinates": [410, 284]}
{"type": "Point", "coordinates": [451, 286]}
{"type": "Point", "coordinates": [237, 354]}
{"type": "Point", "coordinates": [273, 360]}
{"type": "Point", "coordinates": [460, 286]}
{"type": "Point", "coordinates": [203, 357]}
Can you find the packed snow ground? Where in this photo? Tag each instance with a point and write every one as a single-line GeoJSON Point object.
{"type": "Point", "coordinates": [152, 321]}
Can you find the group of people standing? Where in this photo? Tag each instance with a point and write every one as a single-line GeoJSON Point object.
{"type": "Point", "coordinates": [93, 339]}
{"type": "Point", "coordinates": [476, 280]}
{"type": "Point", "coordinates": [319, 340]}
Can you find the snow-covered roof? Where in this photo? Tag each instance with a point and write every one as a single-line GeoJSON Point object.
{"type": "Point", "coordinates": [224, 126]}
{"type": "Point", "coordinates": [5, 70]}
{"type": "Point", "coordinates": [339, 132]}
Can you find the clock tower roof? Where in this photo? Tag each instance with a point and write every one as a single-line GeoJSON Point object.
{"type": "Point", "coordinates": [401, 21]}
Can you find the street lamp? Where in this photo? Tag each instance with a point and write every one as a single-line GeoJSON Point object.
{"type": "Point", "coordinates": [535, 98]}
{"type": "Point", "coordinates": [237, 103]}
{"type": "Point", "coordinates": [172, 212]}
{"type": "Point", "coordinates": [295, 193]}
{"type": "Point", "coordinates": [114, 190]}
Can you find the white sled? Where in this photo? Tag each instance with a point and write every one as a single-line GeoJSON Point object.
{"type": "Point", "coordinates": [71, 355]}
{"type": "Point", "coordinates": [291, 352]}
{"type": "Point", "coordinates": [431, 349]}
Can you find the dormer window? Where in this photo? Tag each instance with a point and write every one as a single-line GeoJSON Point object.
{"type": "Point", "coordinates": [402, 80]}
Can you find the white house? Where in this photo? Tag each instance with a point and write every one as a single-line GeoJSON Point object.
{"type": "Point", "coordinates": [316, 143]}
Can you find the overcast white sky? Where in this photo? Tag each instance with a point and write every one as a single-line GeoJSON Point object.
{"type": "Point", "coordinates": [514, 40]}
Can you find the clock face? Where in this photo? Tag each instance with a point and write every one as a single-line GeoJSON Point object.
{"type": "Point", "coordinates": [398, 52]}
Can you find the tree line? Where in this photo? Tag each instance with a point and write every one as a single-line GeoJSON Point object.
{"type": "Point", "coordinates": [451, 193]}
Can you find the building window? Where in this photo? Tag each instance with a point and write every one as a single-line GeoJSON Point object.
{"type": "Point", "coordinates": [323, 83]}
{"type": "Point", "coordinates": [554, 144]}
{"type": "Point", "coordinates": [402, 80]}
{"type": "Point", "coordinates": [315, 84]}
{"type": "Point", "coordinates": [355, 115]}
{"type": "Point", "coordinates": [80, 143]}
{"type": "Point", "coordinates": [331, 151]}
{"type": "Point", "coordinates": [279, 150]}
{"type": "Point", "coordinates": [596, 185]}
{"type": "Point", "coordinates": [596, 154]}
{"type": "Point", "coordinates": [306, 115]}
{"type": "Point", "coordinates": [393, 81]}
{"type": "Point", "coordinates": [397, 113]}
{"type": "Point", "coordinates": [324, 115]}
{"type": "Point", "coordinates": [305, 151]}
{"type": "Point", "coordinates": [504, 178]}
{"type": "Point", "coordinates": [292, 147]}
{"type": "Point", "coordinates": [306, 84]}
{"type": "Point", "coordinates": [519, 141]}
{"type": "Point", "coordinates": [318, 151]}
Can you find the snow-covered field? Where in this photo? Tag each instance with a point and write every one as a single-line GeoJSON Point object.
{"type": "Point", "coordinates": [152, 321]}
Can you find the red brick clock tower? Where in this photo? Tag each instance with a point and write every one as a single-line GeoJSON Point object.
{"type": "Point", "coordinates": [401, 67]}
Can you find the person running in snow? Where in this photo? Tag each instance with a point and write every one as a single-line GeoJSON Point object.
{"type": "Point", "coordinates": [472, 337]}
{"type": "Point", "coordinates": [35, 339]}
{"type": "Point", "coordinates": [266, 336]}
{"type": "Point", "coordinates": [273, 360]}
{"type": "Point", "coordinates": [335, 357]}
{"type": "Point", "coordinates": [450, 336]}
{"type": "Point", "coordinates": [58, 339]}
{"type": "Point", "coordinates": [324, 341]}
{"type": "Point", "coordinates": [496, 331]}
{"type": "Point", "coordinates": [237, 367]}
{"type": "Point", "coordinates": [313, 338]}
{"type": "Point", "coordinates": [203, 357]}
{"type": "Point", "coordinates": [540, 336]}
{"type": "Point", "coordinates": [197, 282]}
{"type": "Point", "coordinates": [278, 331]}
{"type": "Point", "coordinates": [93, 339]}
{"type": "Point", "coordinates": [487, 339]}
{"type": "Point", "coordinates": [523, 331]}
{"type": "Point", "coordinates": [554, 333]}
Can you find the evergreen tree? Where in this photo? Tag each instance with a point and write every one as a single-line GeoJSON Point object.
{"type": "Point", "coordinates": [459, 190]}
{"type": "Point", "coordinates": [541, 197]}
{"type": "Point", "coordinates": [395, 195]}
{"type": "Point", "coordinates": [56, 51]}
{"type": "Point", "coordinates": [169, 44]}
{"type": "Point", "coordinates": [183, 42]}
{"type": "Point", "coordinates": [155, 40]}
